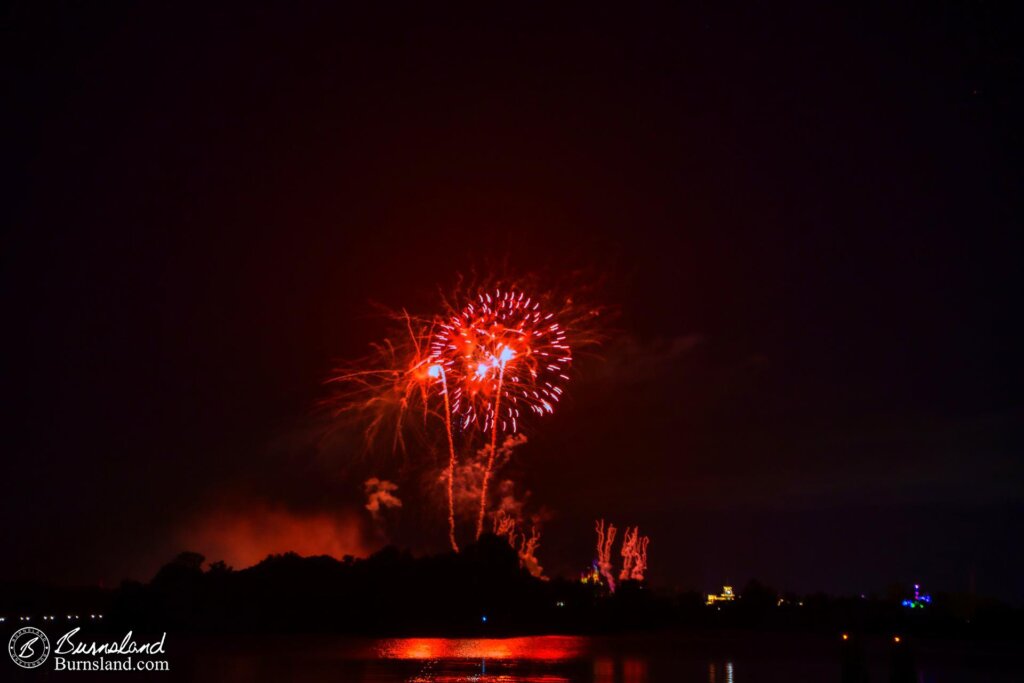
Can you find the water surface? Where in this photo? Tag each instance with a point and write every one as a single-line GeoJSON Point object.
{"type": "Point", "coordinates": [680, 658]}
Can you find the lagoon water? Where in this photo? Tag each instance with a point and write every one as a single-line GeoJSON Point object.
{"type": "Point", "coordinates": [680, 658]}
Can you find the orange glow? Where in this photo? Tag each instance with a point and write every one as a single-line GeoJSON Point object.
{"type": "Point", "coordinates": [896, 639]}
{"type": "Point", "coordinates": [846, 637]}
{"type": "Point", "coordinates": [543, 648]}
{"type": "Point", "coordinates": [244, 537]}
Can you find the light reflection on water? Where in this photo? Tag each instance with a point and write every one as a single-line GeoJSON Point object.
{"type": "Point", "coordinates": [713, 676]}
{"type": "Point", "coordinates": [543, 648]}
{"type": "Point", "coordinates": [679, 658]}
{"type": "Point", "coordinates": [539, 659]}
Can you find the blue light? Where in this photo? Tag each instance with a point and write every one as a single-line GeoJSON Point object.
{"type": "Point", "coordinates": [907, 603]}
{"type": "Point", "coordinates": [483, 619]}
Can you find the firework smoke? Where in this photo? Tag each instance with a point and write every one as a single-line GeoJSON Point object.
{"type": "Point", "coordinates": [525, 546]}
{"type": "Point", "coordinates": [604, 552]}
{"type": "Point", "coordinates": [380, 496]}
{"type": "Point", "coordinates": [528, 553]}
{"type": "Point", "coordinates": [492, 458]}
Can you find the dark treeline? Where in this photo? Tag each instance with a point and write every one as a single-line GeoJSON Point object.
{"type": "Point", "coordinates": [481, 591]}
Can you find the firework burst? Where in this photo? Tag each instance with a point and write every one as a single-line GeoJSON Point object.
{"type": "Point", "coordinates": [380, 391]}
{"type": "Point", "coordinates": [494, 358]}
{"type": "Point", "coordinates": [504, 355]}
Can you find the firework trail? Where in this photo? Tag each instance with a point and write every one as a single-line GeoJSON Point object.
{"type": "Point", "coordinates": [495, 347]}
{"type": "Point", "coordinates": [628, 544]}
{"type": "Point", "coordinates": [437, 371]}
{"type": "Point", "coordinates": [380, 389]}
{"type": "Point", "coordinates": [634, 555]}
{"type": "Point", "coordinates": [505, 526]}
{"type": "Point", "coordinates": [604, 552]}
{"type": "Point", "coordinates": [383, 387]}
{"type": "Point", "coordinates": [640, 564]}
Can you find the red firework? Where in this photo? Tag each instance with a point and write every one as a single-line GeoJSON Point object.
{"type": "Point", "coordinates": [503, 356]}
{"type": "Point", "coordinates": [499, 347]}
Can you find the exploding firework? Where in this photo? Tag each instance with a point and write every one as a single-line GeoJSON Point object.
{"type": "Point", "coordinates": [383, 388]}
{"type": "Point", "coordinates": [379, 391]}
{"type": "Point", "coordinates": [496, 357]}
{"type": "Point", "coordinates": [503, 355]}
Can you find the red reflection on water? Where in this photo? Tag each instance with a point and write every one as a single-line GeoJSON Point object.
{"type": "Point", "coordinates": [545, 648]}
{"type": "Point", "coordinates": [478, 678]}
{"type": "Point", "coordinates": [634, 671]}
{"type": "Point", "coordinates": [604, 670]}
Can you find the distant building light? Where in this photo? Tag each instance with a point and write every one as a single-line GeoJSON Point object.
{"type": "Point", "coordinates": [725, 596]}
{"type": "Point", "coordinates": [846, 636]}
{"type": "Point", "coordinates": [918, 601]}
{"type": "Point", "coordinates": [896, 639]}
{"type": "Point", "coordinates": [483, 619]}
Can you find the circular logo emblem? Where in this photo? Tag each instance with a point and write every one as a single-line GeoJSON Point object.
{"type": "Point", "coordinates": [28, 647]}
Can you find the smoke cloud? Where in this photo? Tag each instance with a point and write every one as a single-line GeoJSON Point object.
{"type": "Point", "coordinates": [380, 496]}
{"type": "Point", "coordinates": [243, 537]}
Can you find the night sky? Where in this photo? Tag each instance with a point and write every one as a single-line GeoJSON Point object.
{"type": "Point", "coordinates": [807, 218]}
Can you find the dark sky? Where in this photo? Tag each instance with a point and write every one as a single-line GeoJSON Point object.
{"type": "Point", "coordinates": [808, 217]}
